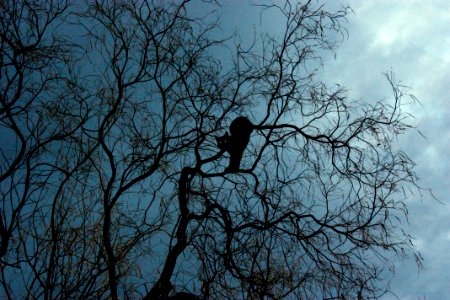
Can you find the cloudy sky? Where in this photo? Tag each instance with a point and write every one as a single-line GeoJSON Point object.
{"type": "Point", "coordinates": [411, 38]}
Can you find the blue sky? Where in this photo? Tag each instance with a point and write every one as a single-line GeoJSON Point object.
{"type": "Point", "coordinates": [412, 39]}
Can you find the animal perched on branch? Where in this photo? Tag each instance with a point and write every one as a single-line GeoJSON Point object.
{"type": "Point", "coordinates": [235, 144]}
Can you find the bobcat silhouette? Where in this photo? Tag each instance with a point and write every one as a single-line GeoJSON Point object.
{"type": "Point", "coordinates": [235, 144]}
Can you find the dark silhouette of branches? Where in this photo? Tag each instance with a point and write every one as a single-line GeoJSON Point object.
{"type": "Point", "coordinates": [113, 184]}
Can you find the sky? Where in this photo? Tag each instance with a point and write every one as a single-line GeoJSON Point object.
{"type": "Point", "coordinates": [412, 39]}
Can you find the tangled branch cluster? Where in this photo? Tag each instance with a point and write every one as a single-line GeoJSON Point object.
{"type": "Point", "coordinates": [112, 184]}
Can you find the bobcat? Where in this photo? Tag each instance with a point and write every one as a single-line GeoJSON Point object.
{"type": "Point", "coordinates": [235, 144]}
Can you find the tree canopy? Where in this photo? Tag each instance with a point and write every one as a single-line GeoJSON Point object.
{"type": "Point", "coordinates": [113, 184]}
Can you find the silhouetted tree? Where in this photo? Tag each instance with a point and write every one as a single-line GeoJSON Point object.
{"type": "Point", "coordinates": [113, 184]}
